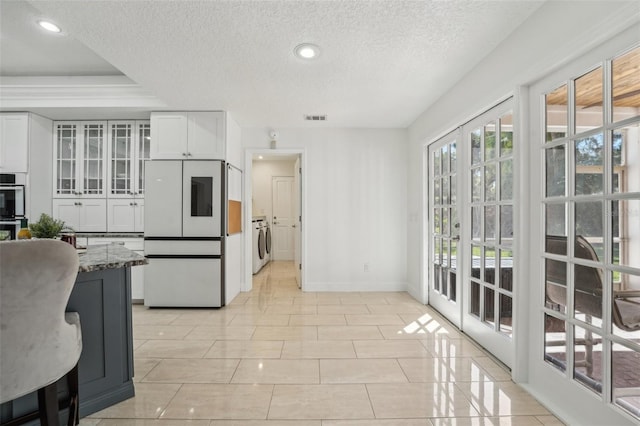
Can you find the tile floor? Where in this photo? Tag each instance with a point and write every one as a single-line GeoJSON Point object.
{"type": "Point", "coordinates": [276, 356]}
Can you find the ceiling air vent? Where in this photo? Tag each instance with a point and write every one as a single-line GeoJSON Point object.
{"type": "Point", "coordinates": [315, 117]}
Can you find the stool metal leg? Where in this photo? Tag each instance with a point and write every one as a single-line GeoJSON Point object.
{"type": "Point", "coordinates": [48, 405]}
{"type": "Point", "coordinates": [74, 398]}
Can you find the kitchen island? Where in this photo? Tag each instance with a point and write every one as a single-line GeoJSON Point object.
{"type": "Point", "coordinates": [102, 297]}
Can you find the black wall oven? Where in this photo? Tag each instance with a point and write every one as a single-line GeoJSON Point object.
{"type": "Point", "coordinates": [12, 204]}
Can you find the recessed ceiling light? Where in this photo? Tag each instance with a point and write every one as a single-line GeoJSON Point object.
{"type": "Point", "coordinates": [49, 26]}
{"type": "Point", "coordinates": [307, 51]}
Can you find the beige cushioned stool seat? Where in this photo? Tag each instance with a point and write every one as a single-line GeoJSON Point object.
{"type": "Point", "coordinates": [39, 342]}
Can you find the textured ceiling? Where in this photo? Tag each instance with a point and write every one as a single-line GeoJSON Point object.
{"type": "Point", "coordinates": [382, 62]}
{"type": "Point", "coordinates": [28, 50]}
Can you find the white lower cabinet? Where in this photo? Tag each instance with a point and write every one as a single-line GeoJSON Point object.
{"type": "Point", "coordinates": [82, 214]}
{"type": "Point", "coordinates": [125, 215]}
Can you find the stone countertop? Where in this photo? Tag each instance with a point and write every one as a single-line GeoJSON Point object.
{"type": "Point", "coordinates": [108, 256]}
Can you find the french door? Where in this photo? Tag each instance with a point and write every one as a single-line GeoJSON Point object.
{"type": "Point", "coordinates": [471, 229]}
{"type": "Point", "coordinates": [444, 230]}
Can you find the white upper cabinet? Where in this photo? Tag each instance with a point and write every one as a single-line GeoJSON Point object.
{"type": "Point", "coordinates": [129, 145]}
{"type": "Point", "coordinates": [169, 130]}
{"type": "Point", "coordinates": [80, 150]}
{"type": "Point", "coordinates": [80, 174]}
{"type": "Point", "coordinates": [193, 135]}
{"type": "Point", "coordinates": [14, 142]}
{"type": "Point", "coordinates": [206, 136]}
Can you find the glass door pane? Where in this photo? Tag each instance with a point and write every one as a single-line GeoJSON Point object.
{"type": "Point", "coordinates": [444, 228]}
{"type": "Point", "coordinates": [143, 154]}
{"type": "Point", "coordinates": [93, 159]}
{"type": "Point", "coordinates": [120, 161]}
{"type": "Point", "coordinates": [66, 149]}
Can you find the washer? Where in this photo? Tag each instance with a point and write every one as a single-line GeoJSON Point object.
{"type": "Point", "coordinates": [267, 242]}
{"type": "Point", "coordinates": [259, 245]}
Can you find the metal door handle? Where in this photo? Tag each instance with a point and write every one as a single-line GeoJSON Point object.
{"type": "Point", "coordinates": [456, 238]}
{"type": "Point", "coordinates": [293, 226]}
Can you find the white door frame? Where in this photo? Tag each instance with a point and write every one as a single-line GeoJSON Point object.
{"type": "Point", "coordinates": [248, 196]}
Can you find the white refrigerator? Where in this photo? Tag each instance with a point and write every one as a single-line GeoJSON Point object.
{"type": "Point", "coordinates": [183, 239]}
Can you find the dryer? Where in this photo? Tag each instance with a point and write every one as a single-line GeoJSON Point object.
{"type": "Point", "coordinates": [259, 244]}
{"type": "Point", "coordinates": [267, 242]}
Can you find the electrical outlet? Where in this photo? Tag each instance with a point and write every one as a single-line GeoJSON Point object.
{"type": "Point", "coordinates": [366, 266]}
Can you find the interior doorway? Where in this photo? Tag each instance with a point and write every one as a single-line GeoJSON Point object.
{"type": "Point", "coordinates": [275, 181]}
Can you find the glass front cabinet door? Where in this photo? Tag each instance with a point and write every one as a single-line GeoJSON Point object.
{"type": "Point", "coordinates": [80, 175]}
{"type": "Point", "coordinates": [128, 148]}
{"type": "Point", "coordinates": [80, 151]}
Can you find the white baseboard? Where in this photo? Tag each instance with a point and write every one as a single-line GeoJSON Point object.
{"type": "Point", "coordinates": [363, 286]}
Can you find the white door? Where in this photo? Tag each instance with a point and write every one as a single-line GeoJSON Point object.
{"type": "Point", "coordinates": [282, 228]}
{"type": "Point", "coordinates": [138, 221]}
{"type": "Point", "coordinates": [488, 231]}
{"type": "Point", "coordinates": [444, 228]}
{"type": "Point", "coordinates": [471, 229]}
{"type": "Point", "coordinates": [121, 215]}
{"type": "Point", "coordinates": [163, 196]}
{"type": "Point", "coordinates": [168, 135]}
{"type": "Point", "coordinates": [297, 220]}
{"type": "Point", "coordinates": [93, 215]}
{"type": "Point", "coordinates": [206, 135]}
{"type": "Point", "coordinates": [67, 210]}
{"type": "Point", "coordinates": [14, 143]}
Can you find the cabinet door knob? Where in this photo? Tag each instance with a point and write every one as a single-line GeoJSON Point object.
{"type": "Point", "coordinates": [130, 204]}
{"type": "Point", "coordinates": [184, 154]}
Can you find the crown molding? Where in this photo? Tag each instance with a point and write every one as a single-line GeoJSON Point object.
{"type": "Point", "coordinates": [76, 91]}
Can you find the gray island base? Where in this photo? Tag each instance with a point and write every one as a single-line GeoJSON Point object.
{"type": "Point", "coordinates": [102, 297]}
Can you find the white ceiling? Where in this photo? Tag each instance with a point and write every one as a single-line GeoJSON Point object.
{"type": "Point", "coordinates": [382, 62]}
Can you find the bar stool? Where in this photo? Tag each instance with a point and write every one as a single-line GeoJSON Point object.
{"type": "Point", "coordinates": [39, 342]}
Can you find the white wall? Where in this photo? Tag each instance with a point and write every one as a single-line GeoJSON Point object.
{"type": "Point", "coordinates": [262, 173]}
{"type": "Point", "coordinates": [356, 183]}
{"type": "Point", "coordinates": [556, 34]}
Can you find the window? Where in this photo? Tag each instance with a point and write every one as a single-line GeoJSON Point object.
{"type": "Point", "coordinates": [591, 201]}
